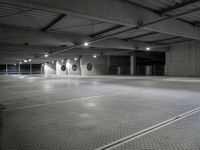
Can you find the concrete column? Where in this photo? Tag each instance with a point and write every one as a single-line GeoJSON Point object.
{"type": "Point", "coordinates": [148, 70]}
{"type": "Point", "coordinates": [19, 69]}
{"type": "Point", "coordinates": [67, 64]}
{"type": "Point", "coordinates": [108, 64]}
{"type": "Point", "coordinates": [81, 65]}
{"type": "Point", "coordinates": [167, 63]}
{"type": "Point", "coordinates": [42, 68]}
{"type": "Point", "coordinates": [30, 68]}
{"type": "Point", "coordinates": [132, 65]}
{"type": "Point", "coordinates": [6, 68]}
{"type": "Point", "coordinates": [118, 70]}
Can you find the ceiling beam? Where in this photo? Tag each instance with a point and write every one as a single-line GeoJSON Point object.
{"type": "Point", "coordinates": [13, 48]}
{"type": "Point", "coordinates": [141, 25]}
{"type": "Point", "coordinates": [156, 11]}
{"type": "Point", "coordinates": [184, 41]}
{"type": "Point", "coordinates": [141, 35]}
{"type": "Point", "coordinates": [51, 24]}
{"type": "Point", "coordinates": [27, 48]}
{"type": "Point", "coordinates": [107, 30]}
{"type": "Point", "coordinates": [167, 39]}
{"type": "Point", "coordinates": [177, 6]}
{"type": "Point", "coordinates": [20, 36]}
{"type": "Point", "coordinates": [165, 23]}
{"type": "Point", "coordinates": [113, 11]}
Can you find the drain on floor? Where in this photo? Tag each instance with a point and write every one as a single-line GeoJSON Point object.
{"type": "Point", "coordinates": [148, 130]}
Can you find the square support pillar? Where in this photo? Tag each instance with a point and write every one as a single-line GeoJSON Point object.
{"type": "Point", "coordinates": [108, 64]}
{"type": "Point", "coordinates": [30, 69]}
{"type": "Point", "coordinates": [42, 68]}
{"type": "Point", "coordinates": [81, 65]}
{"type": "Point", "coordinates": [19, 69]}
{"type": "Point", "coordinates": [132, 65]}
{"type": "Point", "coordinates": [6, 68]}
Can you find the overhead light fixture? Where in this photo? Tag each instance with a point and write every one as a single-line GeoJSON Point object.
{"type": "Point", "coordinates": [52, 62]}
{"type": "Point", "coordinates": [14, 64]}
{"type": "Point", "coordinates": [62, 61]}
{"type": "Point", "coordinates": [86, 44]}
{"type": "Point", "coordinates": [20, 62]}
{"type": "Point", "coordinates": [25, 60]}
{"type": "Point", "coordinates": [68, 60]}
{"type": "Point", "coordinates": [75, 59]}
{"type": "Point", "coordinates": [148, 49]}
{"type": "Point", "coordinates": [29, 60]}
{"type": "Point", "coordinates": [46, 55]}
{"type": "Point", "coordinates": [94, 56]}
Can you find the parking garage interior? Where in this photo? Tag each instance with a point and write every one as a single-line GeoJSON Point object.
{"type": "Point", "coordinates": [99, 75]}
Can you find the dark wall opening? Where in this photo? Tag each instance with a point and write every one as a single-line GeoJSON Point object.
{"type": "Point", "coordinates": [22, 69]}
{"type": "Point", "coordinates": [2, 69]}
{"type": "Point", "coordinates": [36, 68]}
{"type": "Point", "coordinates": [12, 69]}
{"type": "Point", "coordinates": [119, 65]}
{"type": "Point", "coordinates": [25, 69]}
{"type": "Point", "coordinates": [150, 63]}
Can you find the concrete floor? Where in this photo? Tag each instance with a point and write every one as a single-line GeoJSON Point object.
{"type": "Point", "coordinates": [86, 113]}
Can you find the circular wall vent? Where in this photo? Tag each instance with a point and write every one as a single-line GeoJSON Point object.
{"type": "Point", "coordinates": [63, 67]}
{"type": "Point", "coordinates": [74, 67]}
{"type": "Point", "coordinates": [89, 66]}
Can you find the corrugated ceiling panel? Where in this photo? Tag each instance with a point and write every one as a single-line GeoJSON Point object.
{"type": "Point", "coordinates": [131, 34]}
{"type": "Point", "coordinates": [154, 37]}
{"type": "Point", "coordinates": [154, 4]}
{"type": "Point", "coordinates": [173, 41]}
{"type": "Point", "coordinates": [115, 31]}
{"type": "Point", "coordinates": [23, 17]}
{"type": "Point", "coordinates": [80, 25]}
{"type": "Point", "coordinates": [187, 8]}
{"type": "Point", "coordinates": [6, 10]}
{"type": "Point", "coordinates": [162, 4]}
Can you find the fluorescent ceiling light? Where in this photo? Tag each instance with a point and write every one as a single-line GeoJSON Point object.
{"type": "Point", "coordinates": [94, 56]}
{"type": "Point", "coordinates": [148, 49]}
{"type": "Point", "coordinates": [86, 44]}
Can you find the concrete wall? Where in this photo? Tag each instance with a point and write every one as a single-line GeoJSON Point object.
{"type": "Point", "coordinates": [58, 68]}
{"type": "Point", "coordinates": [183, 60]}
{"type": "Point", "coordinates": [49, 68]}
{"type": "Point", "coordinates": [70, 64]}
{"type": "Point", "coordinates": [100, 65]}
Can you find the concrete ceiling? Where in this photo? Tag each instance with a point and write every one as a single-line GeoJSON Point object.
{"type": "Point", "coordinates": [31, 28]}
